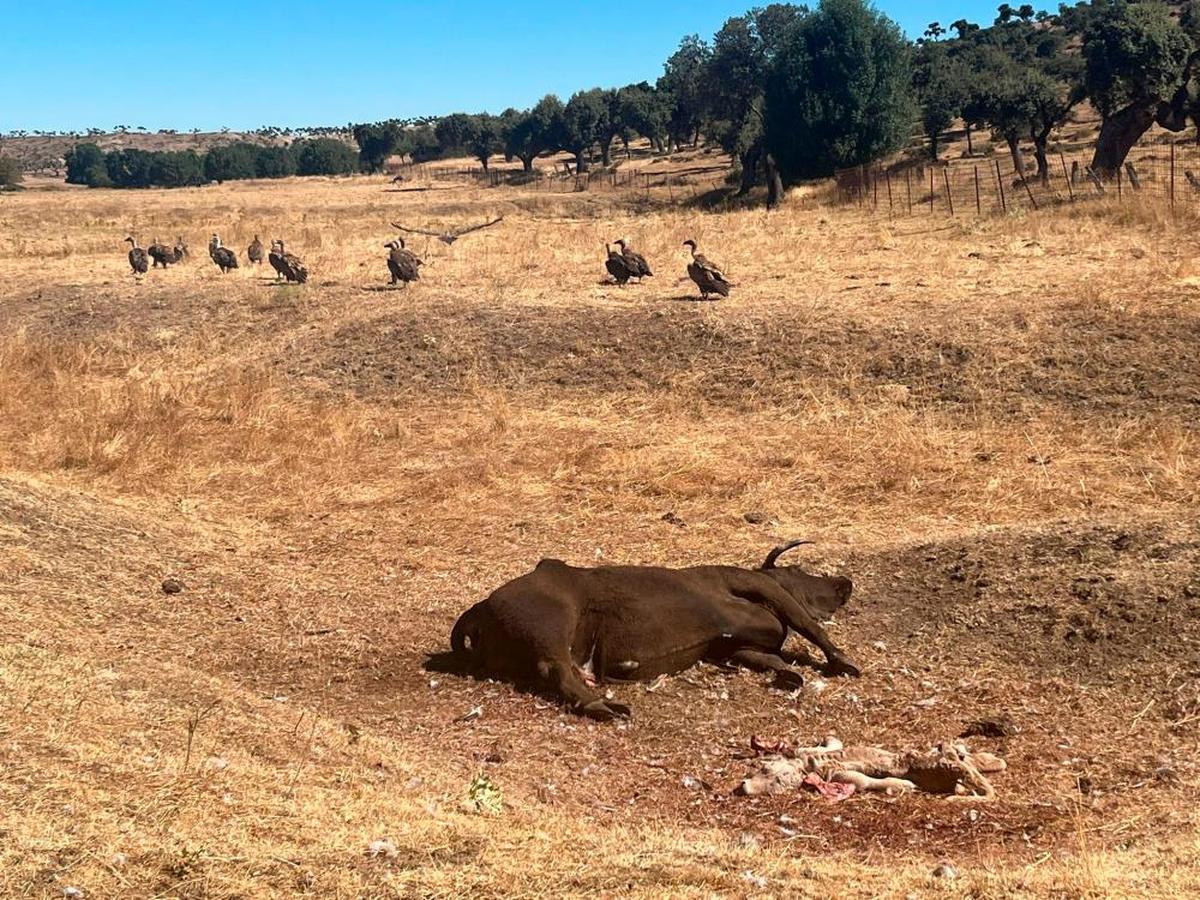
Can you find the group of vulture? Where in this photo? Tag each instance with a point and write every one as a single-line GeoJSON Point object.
{"type": "Point", "coordinates": [627, 264]}
{"type": "Point", "coordinates": [286, 265]}
{"type": "Point", "coordinates": [404, 266]}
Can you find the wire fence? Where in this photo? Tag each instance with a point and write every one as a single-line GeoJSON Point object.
{"type": "Point", "coordinates": [684, 182]}
{"type": "Point", "coordinates": [1166, 170]}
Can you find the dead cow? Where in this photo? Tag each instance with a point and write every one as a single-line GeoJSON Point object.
{"type": "Point", "coordinates": [571, 627]}
{"type": "Point", "coordinates": [952, 771]}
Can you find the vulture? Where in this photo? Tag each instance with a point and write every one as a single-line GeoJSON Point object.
{"type": "Point", "coordinates": [708, 277]}
{"type": "Point", "coordinates": [138, 259]}
{"type": "Point", "coordinates": [635, 262]}
{"type": "Point", "coordinates": [449, 237]}
{"type": "Point", "coordinates": [403, 264]}
{"type": "Point", "coordinates": [181, 248]}
{"type": "Point", "coordinates": [254, 252]}
{"type": "Point", "coordinates": [618, 266]}
{"type": "Point", "coordinates": [225, 258]}
{"type": "Point", "coordinates": [164, 255]}
{"type": "Point", "coordinates": [285, 264]}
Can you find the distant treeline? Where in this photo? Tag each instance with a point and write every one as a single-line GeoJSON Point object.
{"type": "Point", "coordinates": [792, 92]}
{"type": "Point", "coordinates": [131, 168]}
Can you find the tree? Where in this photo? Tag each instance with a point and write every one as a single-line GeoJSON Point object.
{"type": "Point", "coordinates": [1138, 63]}
{"type": "Point", "coordinates": [477, 135]}
{"type": "Point", "coordinates": [741, 53]}
{"type": "Point", "coordinates": [376, 142]}
{"type": "Point", "coordinates": [683, 81]}
{"type": "Point", "coordinates": [839, 92]}
{"type": "Point", "coordinates": [610, 125]}
{"type": "Point", "coordinates": [10, 174]}
{"type": "Point", "coordinates": [942, 102]}
{"type": "Point", "coordinates": [324, 156]}
{"type": "Point", "coordinates": [527, 135]}
{"type": "Point", "coordinates": [274, 162]}
{"type": "Point", "coordinates": [580, 124]}
{"type": "Point", "coordinates": [85, 165]}
{"type": "Point", "coordinates": [181, 168]}
{"type": "Point", "coordinates": [230, 163]}
{"type": "Point", "coordinates": [129, 168]}
{"type": "Point", "coordinates": [643, 110]}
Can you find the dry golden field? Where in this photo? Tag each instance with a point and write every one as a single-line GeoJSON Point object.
{"type": "Point", "coordinates": [990, 426]}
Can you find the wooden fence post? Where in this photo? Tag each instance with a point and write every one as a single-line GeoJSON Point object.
{"type": "Point", "coordinates": [1029, 191]}
{"type": "Point", "coordinates": [1172, 176]}
{"type": "Point", "coordinates": [1067, 177]}
{"type": "Point", "coordinates": [1118, 182]}
{"type": "Point", "coordinates": [908, 188]}
{"type": "Point", "coordinates": [931, 190]}
{"type": "Point", "coordinates": [949, 195]}
{"type": "Point", "coordinates": [887, 173]}
{"type": "Point", "coordinates": [1000, 185]}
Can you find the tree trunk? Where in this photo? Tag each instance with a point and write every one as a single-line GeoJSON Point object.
{"type": "Point", "coordinates": [970, 147]}
{"type": "Point", "coordinates": [483, 160]}
{"type": "Point", "coordinates": [933, 146]}
{"type": "Point", "coordinates": [696, 138]}
{"type": "Point", "coordinates": [606, 152]}
{"type": "Point", "coordinates": [581, 161]}
{"type": "Point", "coordinates": [527, 162]}
{"type": "Point", "coordinates": [1118, 135]}
{"type": "Point", "coordinates": [774, 183]}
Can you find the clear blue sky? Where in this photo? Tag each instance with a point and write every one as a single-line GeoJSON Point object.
{"type": "Point", "coordinates": [74, 64]}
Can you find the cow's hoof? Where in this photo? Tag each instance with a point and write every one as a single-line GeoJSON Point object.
{"type": "Point", "coordinates": [605, 710]}
{"type": "Point", "coordinates": [789, 681]}
{"type": "Point", "coordinates": [840, 665]}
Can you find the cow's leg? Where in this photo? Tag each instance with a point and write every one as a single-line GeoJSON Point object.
{"type": "Point", "coordinates": [565, 679]}
{"type": "Point", "coordinates": [760, 661]}
{"type": "Point", "coordinates": [793, 614]}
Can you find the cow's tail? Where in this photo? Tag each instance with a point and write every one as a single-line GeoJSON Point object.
{"type": "Point", "coordinates": [467, 628]}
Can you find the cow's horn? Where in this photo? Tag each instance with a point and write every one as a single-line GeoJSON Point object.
{"type": "Point", "coordinates": [769, 563]}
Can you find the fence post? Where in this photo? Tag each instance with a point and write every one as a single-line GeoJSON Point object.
{"type": "Point", "coordinates": [949, 196]}
{"type": "Point", "coordinates": [874, 189]}
{"type": "Point", "coordinates": [931, 190]}
{"type": "Point", "coordinates": [1000, 185]}
{"type": "Point", "coordinates": [1118, 182]}
{"type": "Point", "coordinates": [887, 173]}
{"type": "Point", "coordinates": [978, 203]}
{"type": "Point", "coordinates": [1028, 190]}
{"type": "Point", "coordinates": [1172, 176]}
{"type": "Point", "coordinates": [1067, 177]}
{"type": "Point", "coordinates": [908, 188]}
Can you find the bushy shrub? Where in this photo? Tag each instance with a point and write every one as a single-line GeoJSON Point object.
{"type": "Point", "coordinates": [10, 174]}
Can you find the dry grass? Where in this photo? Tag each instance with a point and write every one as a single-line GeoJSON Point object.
{"type": "Point", "coordinates": [990, 425]}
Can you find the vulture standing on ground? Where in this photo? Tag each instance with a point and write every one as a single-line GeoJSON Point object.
{"type": "Point", "coordinates": [181, 248]}
{"type": "Point", "coordinates": [225, 258]}
{"type": "Point", "coordinates": [708, 277]}
{"type": "Point", "coordinates": [618, 266]}
{"type": "Point", "coordinates": [286, 264]}
{"type": "Point", "coordinates": [254, 252]}
{"type": "Point", "coordinates": [161, 254]}
{"type": "Point", "coordinates": [138, 259]}
{"type": "Point", "coordinates": [635, 262]}
{"type": "Point", "coordinates": [403, 264]}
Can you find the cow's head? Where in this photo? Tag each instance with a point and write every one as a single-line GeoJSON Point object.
{"type": "Point", "coordinates": [822, 595]}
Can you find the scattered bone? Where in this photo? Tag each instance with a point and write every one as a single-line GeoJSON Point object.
{"type": "Point", "coordinates": [951, 770]}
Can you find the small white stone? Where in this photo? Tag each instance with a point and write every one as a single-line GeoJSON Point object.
{"type": "Point", "coordinates": [945, 870]}
{"type": "Point", "coordinates": [72, 893]}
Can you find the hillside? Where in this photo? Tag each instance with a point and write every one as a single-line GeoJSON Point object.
{"type": "Point", "coordinates": [989, 425]}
